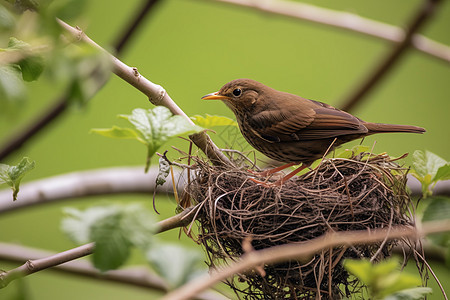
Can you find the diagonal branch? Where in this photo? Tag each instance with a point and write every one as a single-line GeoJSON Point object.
{"type": "Point", "coordinates": [345, 21]}
{"type": "Point", "coordinates": [302, 251]}
{"type": "Point", "coordinates": [156, 94]}
{"type": "Point", "coordinates": [60, 105]}
{"type": "Point", "coordinates": [423, 14]}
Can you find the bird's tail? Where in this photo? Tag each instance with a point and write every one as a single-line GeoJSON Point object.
{"type": "Point", "coordinates": [382, 128]}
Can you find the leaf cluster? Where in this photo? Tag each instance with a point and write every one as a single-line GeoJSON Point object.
{"type": "Point", "coordinates": [117, 229]}
{"type": "Point", "coordinates": [385, 280]}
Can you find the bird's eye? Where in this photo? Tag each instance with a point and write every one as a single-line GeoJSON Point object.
{"type": "Point", "coordinates": [237, 92]}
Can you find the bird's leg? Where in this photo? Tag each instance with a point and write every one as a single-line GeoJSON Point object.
{"type": "Point", "coordinates": [280, 182]}
{"type": "Point", "coordinates": [272, 171]}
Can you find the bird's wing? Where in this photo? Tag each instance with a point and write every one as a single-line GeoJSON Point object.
{"type": "Point", "coordinates": [314, 121]}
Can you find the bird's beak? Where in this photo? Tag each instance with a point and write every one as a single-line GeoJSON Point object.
{"type": "Point", "coordinates": [215, 96]}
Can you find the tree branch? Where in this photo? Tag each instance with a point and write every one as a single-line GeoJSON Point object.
{"type": "Point", "coordinates": [423, 14]}
{"type": "Point", "coordinates": [59, 106]}
{"type": "Point", "coordinates": [156, 94]}
{"type": "Point", "coordinates": [302, 251]}
{"type": "Point", "coordinates": [346, 21]}
{"type": "Point", "coordinates": [86, 183]}
{"type": "Point", "coordinates": [137, 276]}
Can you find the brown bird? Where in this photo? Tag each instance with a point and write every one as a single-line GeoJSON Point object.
{"type": "Point", "coordinates": [292, 129]}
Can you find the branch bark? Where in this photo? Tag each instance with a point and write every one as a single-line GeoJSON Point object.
{"type": "Point", "coordinates": [86, 183]}
{"type": "Point", "coordinates": [302, 251]}
{"type": "Point", "coordinates": [345, 21]}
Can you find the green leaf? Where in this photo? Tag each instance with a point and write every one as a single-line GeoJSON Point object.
{"type": "Point", "coordinates": [113, 228]}
{"type": "Point", "coordinates": [429, 168]}
{"type": "Point", "coordinates": [152, 127]}
{"type": "Point", "coordinates": [12, 175]}
{"type": "Point", "coordinates": [443, 173]}
{"type": "Point", "coordinates": [360, 268]}
{"type": "Point", "coordinates": [177, 265]}
{"type": "Point", "coordinates": [118, 132]}
{"type": "Point", "coordinates": [7, 20]}
{"type": "Point", "coordinates": [382, 279]}
{"type": "Point", "coordinates": [112, 247]}
{"type": "Point", "coordinates": [32, 65]}
{"type": "Point", "coordinates": [89, 68]}
{"type": "Point", "coordinates": [427, 163]}
{"type": "Point", "coordinates": [438, 209]}
{"type": "Point", "coordinates": [77, 223]}
{"type": "Point", "coordinates": [209, 121]}
{"type": "Point", "coordinates": [11, 84]}
{"type": "Point", "coordinates": [410, 294]}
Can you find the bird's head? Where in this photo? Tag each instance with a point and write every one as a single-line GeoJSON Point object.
{"type": "Point", "coordinates": [239, 95]}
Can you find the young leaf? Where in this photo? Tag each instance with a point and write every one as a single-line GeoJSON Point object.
{"type": "Point", "coordinates": [12, 175]}
{"type": "Point", "coordinates": [11, 84]}
{"type": "Point", "coordinates": [174, 263]}
{"type": "Point", "coordinates": [209, 121]}
{"type": "Point", "coordinates": [7, 20]}
{"type": "Point", "coordinates": [429, 168]}
{"type": "Point", "coordinates": [118, 132]}
{"type": "Point", "coordinates": [152, 127]}
{"type": "Point", "coordinates": [112, 247]}
{"type": "Point", "coordinates": [410, 294]}
{"type": "Point", "coordinates": [31, 65]}
{"type": "Point", "coordinates": [439, 209]}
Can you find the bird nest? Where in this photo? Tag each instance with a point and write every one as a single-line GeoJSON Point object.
{"type": "Point", "coordinates": [361, 193]}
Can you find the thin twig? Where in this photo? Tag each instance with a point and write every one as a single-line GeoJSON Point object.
{"type": "Point", "coordinates": [59, 106]}
{"type": "Point", "coordinates": [346, 21]}
{"type": "Point", "coordinates": [302, 251]}
{"type": "Point", "coordinates": [424, 13]}
{"type": "Point", "coordinates": [36, 265]}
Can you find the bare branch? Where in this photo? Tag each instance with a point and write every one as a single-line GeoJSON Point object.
{"type": "Point", "coordinates": [137, 276]}
{"type": "Point", "coordinates": [302, 251]}
{"type": "Point", "coordinates": [346, 21]}
{"type": "Point", "coordinates": [85, 183]}
{"type": "Point", "coordinates": [36, 265]}
{"type": "Point", "coordinates": [424, 13]}
{"type": "Point", "coordinates": [59, 106]}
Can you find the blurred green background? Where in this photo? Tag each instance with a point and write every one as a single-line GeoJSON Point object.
{"type": "Point", "coordinates": [191, 48]}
